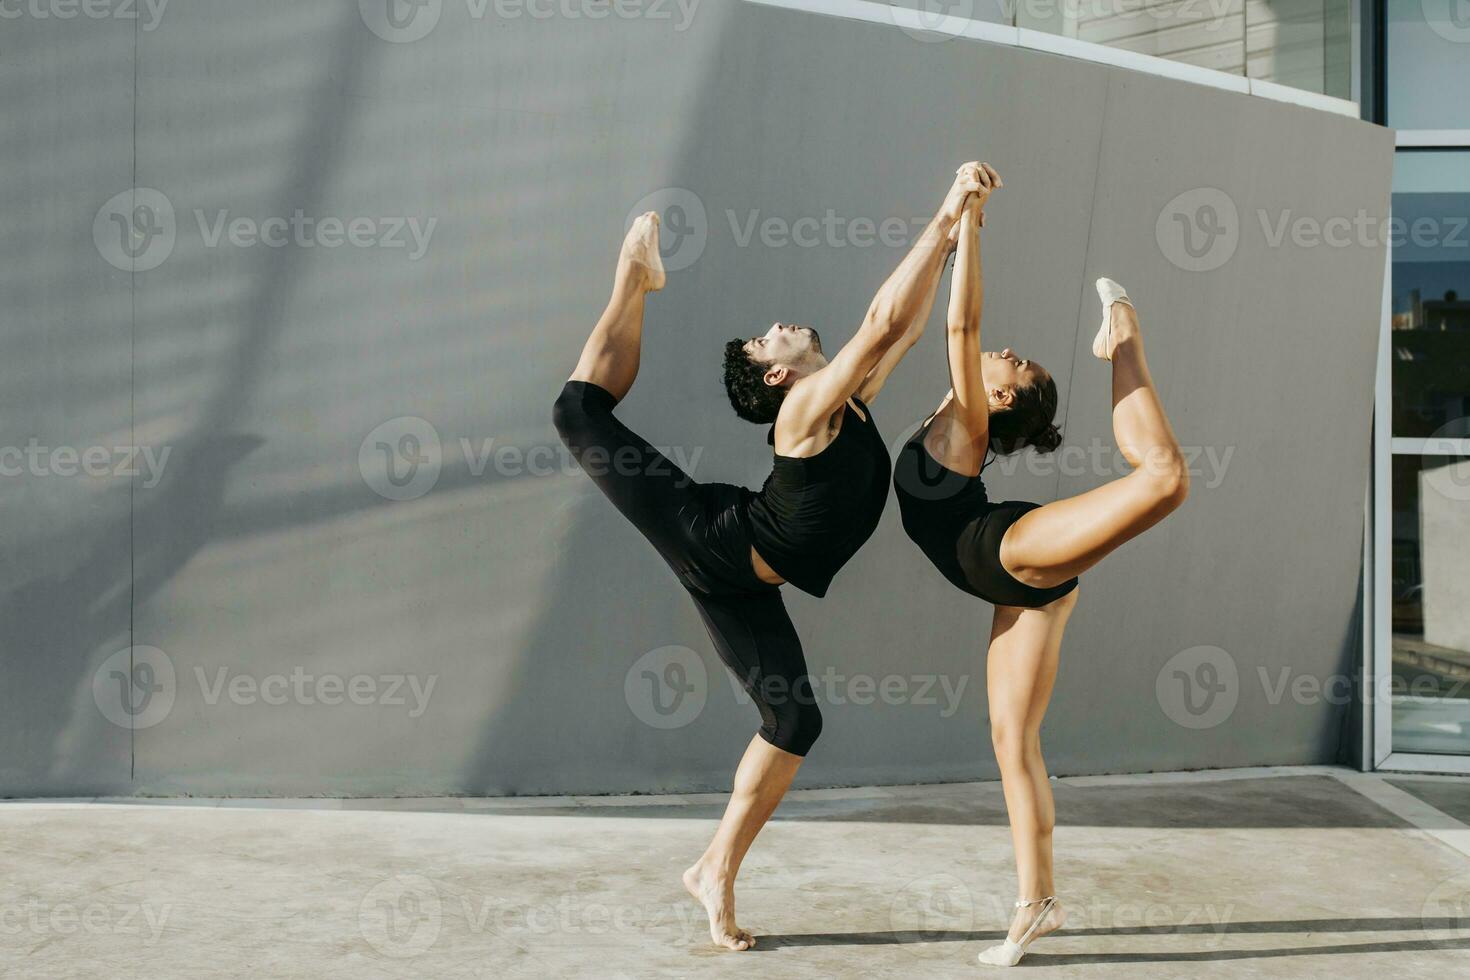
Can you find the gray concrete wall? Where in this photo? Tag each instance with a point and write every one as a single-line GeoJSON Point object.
{"type": "Point", "coordinates": [261, 618]}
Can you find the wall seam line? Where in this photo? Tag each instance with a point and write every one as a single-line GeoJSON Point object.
{"type": "Point", "coordinates": [1078, 335]}
{"type": "Point", "coordinates": [133, 428]}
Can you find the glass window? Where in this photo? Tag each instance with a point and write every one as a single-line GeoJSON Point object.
{"type": "Point", "coordinates": [1431, 604]}
{"type": "Point", "coordinates": [1430, 329]}
{"type": "Point", "coordinates": [1428, 64]}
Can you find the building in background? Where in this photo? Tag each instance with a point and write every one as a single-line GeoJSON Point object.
{"type": "Point", "coordinates": [1307, 44]}
{"type": "Point", "coordinates": [1310, 45]}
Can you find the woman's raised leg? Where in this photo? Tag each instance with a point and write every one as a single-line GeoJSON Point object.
{"type": "Point", "coordinates": [1061, 540]}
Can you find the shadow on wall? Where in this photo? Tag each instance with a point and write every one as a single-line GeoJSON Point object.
{"type": "Point", "coordinates": [526, 597]}
{"type": "Point", "coordinates": [74, 619]}
{"type": "Point", "coordinates": [451, 346]}
{"type": "Point", "coordinates": [70, 621]}
{"type": "Point", "coordinates": [587, 628]}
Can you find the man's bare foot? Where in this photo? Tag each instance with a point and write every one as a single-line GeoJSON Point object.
{"type": "Point", "coordinates": [717, 895]}
{"type": "Point", "coordinates": [639, 259]}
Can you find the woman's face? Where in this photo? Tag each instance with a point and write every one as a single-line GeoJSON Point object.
{"type": "Point", "coordinates": [1004, 371]}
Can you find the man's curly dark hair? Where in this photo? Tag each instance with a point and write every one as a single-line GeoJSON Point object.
{"type": "Point", "coordinates": [745, 383]}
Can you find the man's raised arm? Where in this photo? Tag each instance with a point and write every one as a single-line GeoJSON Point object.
{"type": "Point", "coordinates": [896, 315]}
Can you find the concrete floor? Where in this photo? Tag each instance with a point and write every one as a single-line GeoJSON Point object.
{"type": "Point", "coordinates": [1248, 874]}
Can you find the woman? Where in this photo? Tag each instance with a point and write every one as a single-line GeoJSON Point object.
{"type": "Point", "coordinates": [732, 549]}
{"type": "Point", "coordinates": [1021, 557]}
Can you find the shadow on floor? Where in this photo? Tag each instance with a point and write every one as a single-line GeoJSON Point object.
{"type": "Point", "coordinates": [1307, 802]}
{"type": "Point", "coordinates": [1406, 946]}
{"type": "Point", "coordinates": [768, 943]}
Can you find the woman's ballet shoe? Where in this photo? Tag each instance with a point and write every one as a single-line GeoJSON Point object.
{"type": "Point", "coordinates": [1009, 953]}
{"type": "Point", "coordinates": [1109, 292]}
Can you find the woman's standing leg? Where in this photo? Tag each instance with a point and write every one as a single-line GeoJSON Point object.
{"type": "Point", "coordinates": [1021, 669]}
{"type": "Point", "coordinates": [1061, 540]}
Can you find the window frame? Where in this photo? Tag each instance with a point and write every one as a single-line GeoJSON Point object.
{"type": "Point", "coordinates": [1378, 751]}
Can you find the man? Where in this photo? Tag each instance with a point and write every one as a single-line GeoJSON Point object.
{"type": "Point", "coordinates": [732, 549]}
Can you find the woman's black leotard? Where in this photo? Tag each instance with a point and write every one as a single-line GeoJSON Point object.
{"type": "Point", "coordinates": [950, 518]}
{"type": "Point", "coordinates": [704, 533]}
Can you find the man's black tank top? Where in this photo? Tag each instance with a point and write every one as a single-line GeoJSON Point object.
{"type": "Point", "coordinates": [813, 514]}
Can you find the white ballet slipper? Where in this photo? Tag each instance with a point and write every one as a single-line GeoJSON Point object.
{"type": "Point", "coordinates": [1006, 954]}
{"type": "Point", "coordinates": [1009, 953]}
{"type": "Point", "coordinates": [1109, 292]}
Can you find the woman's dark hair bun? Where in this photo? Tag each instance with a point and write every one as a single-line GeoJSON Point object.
{"type": "Point", "coordinates": [1047, 440]}
{"type": "Point", "coordinates": [1027, 421]}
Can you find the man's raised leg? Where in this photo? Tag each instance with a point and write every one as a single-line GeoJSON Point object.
{"type": "Point", "coordinates": [610, 356]}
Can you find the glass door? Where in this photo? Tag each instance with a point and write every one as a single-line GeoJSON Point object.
{"type": "Point", "coordinates": [1423, 512]}
{"type": "Point", "coordinates": [1420, 547]}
